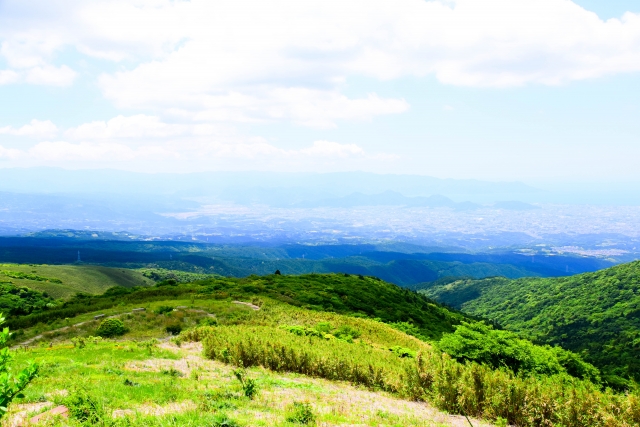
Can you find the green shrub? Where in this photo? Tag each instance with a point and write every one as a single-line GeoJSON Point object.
{"type": "Point", "coordinates": [173, 329]}
{"type": "Point", "coordinates": [111, 328]}
{"type": "Point", "coordinates": [11, 384]}
{"type": "Point", "coordinates": [300, 413]}
{"type": "Point", "coordinates": [347, 333]}
{"type": "Point", "coordinates": [409, 329]}
{"type": "Point", "coordinates": [84, 407]}
{"type": "Point", "coordinates": [163, 309]}
{"type": "Point", "coordinates": [249, 386]}
{"type": "Point", "coordinates": [324, 327]}
{"type": "Point", "coordinates": [324, 330]}
{"type": "Point", "coordinates": [481, 343]}
{"type": "Point", "coordinates": [402, 352]}
{"type": "Point", "coordinates": [208, 321]}
{"type": "Point", "coordinates": [221, 420]}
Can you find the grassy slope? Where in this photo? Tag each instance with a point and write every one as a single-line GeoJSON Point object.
{"type": "Point", "coordinates": [346, 294]}
{"type": "Point", "coordinates": [75, 278]}
{"type": "Point", "coordinates": [203, 388]}
{"type": "Point", "coordinates": [199, 389]}
{"type": "Point", "coordinates": [596, 313]}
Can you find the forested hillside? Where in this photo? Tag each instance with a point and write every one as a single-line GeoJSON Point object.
{"type": "Point", "coordinates": [596, 314]}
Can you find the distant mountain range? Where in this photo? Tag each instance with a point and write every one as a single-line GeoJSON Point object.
{"type": "Point", "coordinates": [201, 184]}
{"type": "Point", "coordinates": [297, 199]}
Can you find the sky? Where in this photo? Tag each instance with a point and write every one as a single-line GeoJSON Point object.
{"type": "Point", "coordinates": [539, 91]}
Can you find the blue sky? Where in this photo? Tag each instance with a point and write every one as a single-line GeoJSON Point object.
{"type": "Point", "coordinates": [532, 90]}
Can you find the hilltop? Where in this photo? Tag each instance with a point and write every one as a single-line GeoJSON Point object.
{"type": "Point", "coordinates": [594, 314]}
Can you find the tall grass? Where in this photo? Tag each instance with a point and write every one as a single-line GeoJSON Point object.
{"type": "Point", "coordinates": [470, 389]}
{"type": "Point", "coordinates": [279, 350]}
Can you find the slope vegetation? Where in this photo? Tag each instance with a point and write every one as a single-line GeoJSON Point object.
{"type": "Point", "coordinates": [340, 293]}
{"type": "Point", "coordinates": [271, 328]}
{"type": "Point", "coordinates": [596, 314]}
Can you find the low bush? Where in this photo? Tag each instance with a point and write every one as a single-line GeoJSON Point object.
{"type": "Point", "coordinates": [173, 329]}
{"type": "Point", "coordinates": [324, 330]}
{"type": "Point", "coordinates": [84, 407]}
{"type": "Point", "coordinates": [402, 352]}
{"type": "Point", "coordinates": [110, 328]}
{"type": "Point", "coordinates": [163, 309]}
{"type": "Point", "coordinates": [208, 321]}
{"type": "Point", "coordinates": [300, 413]}
{"type": "Point", "coordinates": [249, 386]}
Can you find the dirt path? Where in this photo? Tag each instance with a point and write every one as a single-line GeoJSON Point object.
{"type": "Point", "coordinates": [248, 304]}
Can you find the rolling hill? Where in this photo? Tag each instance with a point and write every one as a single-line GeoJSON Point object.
{"type": "Point", "coordinates": [60, 281]}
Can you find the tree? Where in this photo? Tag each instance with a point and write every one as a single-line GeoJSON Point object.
{"type": "Point", "coordinates": [11, 384]}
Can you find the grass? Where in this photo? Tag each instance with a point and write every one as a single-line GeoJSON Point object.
{"type": "Point", "coordinates": [74, 278]}
{"type": "Point", "coordinates": [129, 386]}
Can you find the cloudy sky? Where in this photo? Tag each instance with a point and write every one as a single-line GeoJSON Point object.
{"type": "Point", "coordinates": [489, 89]}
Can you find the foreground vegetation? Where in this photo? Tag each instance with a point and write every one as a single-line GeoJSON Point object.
{"type": "Point", "coordinates": [594, 314]}
{"type": "Point", "coordinates": [342, 329]}
{"type": "Point", "coordinates": [468, 388]}
{"type": "Point", "coordinates": [140, 382]}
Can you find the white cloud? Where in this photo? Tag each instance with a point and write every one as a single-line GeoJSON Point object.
{"type": "Point", "coordinates": [35, 129]}
{"type": "Point", "coordinates": [307, 107]}
{"type": "Point", "coordinates": [9, 153]}
{"type": "Point", "coordinates": [8, 76]}
{"type": "Point", "coordinates": [62, 151]}
{"type": "Point", "coordinates": [105, 144]}
{"type": "Point", "coordinates": [50, 75]}
{"type": "Point", "coordinates": [333, 149]}
{"type": "Point", "coordinates": [250, 60]}
{"type": "Point", "coordinates": [139, 127]}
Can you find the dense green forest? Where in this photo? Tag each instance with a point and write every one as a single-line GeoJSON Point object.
{"type": "Point", "coordinates": [594, 314]}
